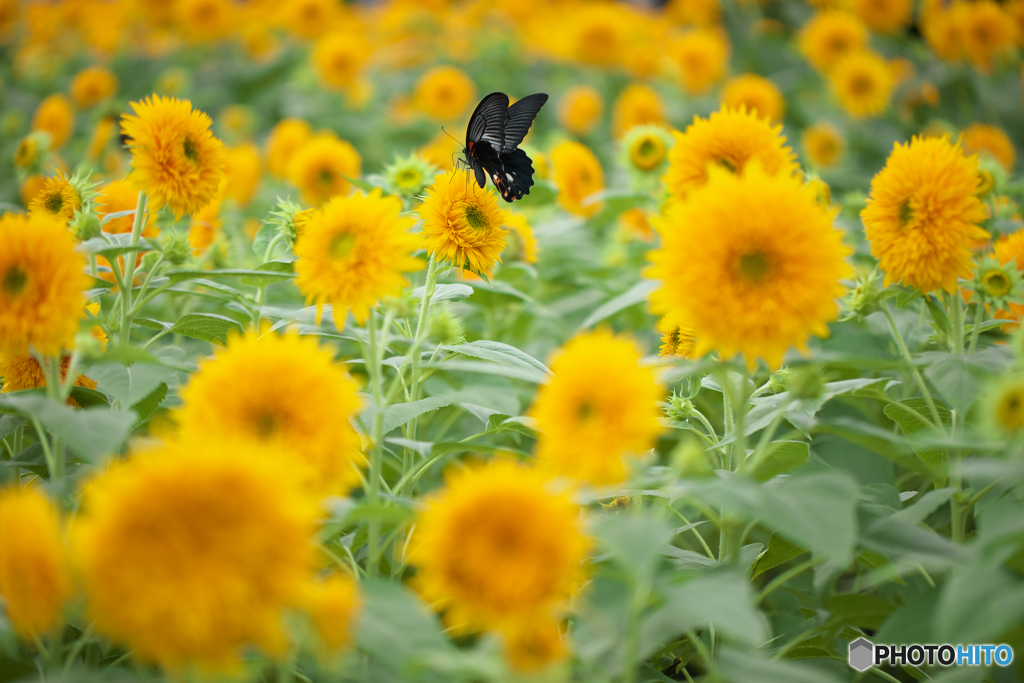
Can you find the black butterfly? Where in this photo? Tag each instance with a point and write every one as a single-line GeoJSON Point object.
{"type": "Point", "coordinates": [492, 143]}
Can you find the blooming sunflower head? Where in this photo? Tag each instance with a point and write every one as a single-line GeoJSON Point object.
{"type": "Point", "coordinates": [676, 337]}
{"type": "Point", "coordinates": [522, 244]}
{"type": "Point", "coordinates": [580, 109]}
{"type": "Point", "coordinates": [829, 36]}
{"type": "Point", "coordinates": [636, 105]}
{"type": "Point", "coordinates": [408, 176]}
{"type": "Point", "coordinates": [184, 574]}
{"type": "Point", "coordinates": [339, 58]}
{"type": "Point", "coordinates": [701, 57]}
{"type": "Point", "coordinates": [58, 199]}
{"type": "Point", "coordinates": [757, 94]}
{"type": "Point", "coordinates": [55, 116]}
{"type": "Point", "coordinates": [34, 578]}
{"type": "Point", "coordinates": [309, 18]}
{"type": "Point", "coordinates": [41, 285]}
{"type": "Point", "coordinates": [578, 175]}
{"type": "Point", "coordinates": [31, 154]}
{"type": "Point", "coordinates": [765, 256]}
{"type": "Point", "coordinates": [92, 85]}
{"type": "Point", "coordinates": [242, 173]}
{"type": "Point", "coordinates": [988, 33]}
{"type": "Point", "coordinates": [823, 145]}
{"type": "Point", "coordinates": [644, 154]}
{"type": "Point", "coordinates": [462, 223]}
{"type": "Point", "coordinates": [728, 139]}
{"type": "Point", "coordinates": [176, 160]}
{"type": "Point", "coordinates": [592, 424]}
{"type": "Point", "coordinates": [322, 166]}
{"type": "Point", "coordinates": [863, 82]}
{"type": "Point", "coordinates": [353, 251]}
{"type": "Point", "coordinates": [996, 282]}
{"type": "Point", "coordinates": [333, 605]}
{"type": "Point", "coordinates": [992, 142]}
{"type": "Point", "coordinates": [923, 215]}
{"type": "Point", "coordinates": [285, 139]}
{"type": "Point", "coordinates": [497, 549]}
{"type": "Point", "coordinates": [1003, 408]}
{"type": "Point", "coordinates": [444, 92]}
{"type": "Point", "coordinates": [884, 16]}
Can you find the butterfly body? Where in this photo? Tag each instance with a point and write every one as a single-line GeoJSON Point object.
{"type": "Point", "coordinates": [492, 143]}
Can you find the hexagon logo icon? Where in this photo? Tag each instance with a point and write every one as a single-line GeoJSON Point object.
{"type": "Point", "coordinates": [862, 654]}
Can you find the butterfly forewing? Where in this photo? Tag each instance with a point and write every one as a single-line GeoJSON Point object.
{"type": "Point", "coordinates": [488, 121]}
{"type": "Point", "coordinates": [519, 118]}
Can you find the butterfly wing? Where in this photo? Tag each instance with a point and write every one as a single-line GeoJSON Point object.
{"type": "Point", "coordinates": [487, 124]}
{"type": "Point", "coordinates": [518, 120]}
{"type": "Point", "coordinates": [518, 171]}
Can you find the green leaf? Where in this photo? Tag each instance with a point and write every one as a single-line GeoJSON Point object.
{"type": "Point", "coordinates": [208, 327]}
{"type": "Point", "coordinates": [10, 423]}
{"type": "Point", "coordinates": [112, 246]}
{"type": "Point", "coordinates": [636, 542]}
{"type": "Point", "coordinates": [877, 562]}
{"type": "Point", "coordinates": [979, 604]}
{"type": "Point", "coordinates": [632, 296]}
{"type": "Point", "coordinates": [527, 374]}
{"type": "Point", "coordinates": [394, 626]}
{"type": "Point", "coordinates": [148, 405]}
{"type": "Point", "coordinates": [129, 385]}
{"type": "Point", "coordinates": [955, 380]}
{"type": "Point", "coordinates": [934, 458]}
{"type": "Point", "coordinates": [747, 667]}
{"type": "Point", "coordinates": [90, 432]}
{"type": "Point", "coordinates": [455, 292]}
{"type": "Point", "coordinates": [86, 397]}
{"type": "Point", "coordinates": [261, 240]}
{"type": "Point", "coordinates": [388, 514]}
{"type": "Point", "coordinates": [782, 457]}
{"type": "Point", "coordinates": [397, 415]}
{"type": "Point", "coordinates": [278, 266]}
{"type": "Point", "coordinates": [907, 298]}
{"type": "Point", "coordinates": [779, 552]}
{"type": "Point", "coordinates": [924, 506]}
{"type": "Point", "coordinates": [500, 353]}
{"type": "Point", "coordinates": [257, 278]}
{"type": "Point", "coordinates": [858, 609]}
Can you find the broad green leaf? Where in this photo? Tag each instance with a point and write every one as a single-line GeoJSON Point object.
{"type": "Point", "coordinates": [111, 246]}
{"type": "Point", "coordinates": [909, 422]}
{"type": "Point", "coordinates": [500, 353]}
{"type": "Point", "coordinates": [979, 604]}
{"type": "Point", "coordinates": [153, 324]}
{"type": "Point", "coordinates": [527, 373]}
{"type": "Point", "coordinates": [877, 440]}
{"type": "Point", "coordinates": [394, 626]}
{"type": "Point", "coordinates": [912, 622]}
{"type": "Point", "coordinates": [632, 296]}
{"type": "Point", "coordinates": [262, 239]}
{"type": "Point", "coordinates": [779, 552]}
{"type": "Point", "coordinates": [397, 415]}
{"type": "Point", "coordinates": [924, 506]}
{"type": "Point", "coordinates": [10, 423]}
{"type": "Point", "coordinates": [261, 277]}
{"type": "Point", "coordinates": [746, 667]}
{"type": "Point", "coordinates": [90, 432]}
{"type": "Point", "coordinates": [453, 292]}
{"type": "Point", "coordinates": [954, 379]}
{"type": "Point", "coordinates": [278, 266]}
{"type": "Point", "coordinates": [208, 327]}
{"type": "Point", "coordinates": [782, 457]}
{"type": "Point", "coordinates": [86, 397]}
{"type": "Point", "coordinates": [907, 298]}
{"type": "Point", "coordinates": [858, 609]}
{"type": "Point", "coordinates": [636, 542]}
{"type": "Point", "coordinates": [148, 405]}
{"type": "Point", "coordinates": [877, 562]}
{"type": "Point", "coordinates": [129, 385]}
{"type": "Point", "coordinates": [389, 514]}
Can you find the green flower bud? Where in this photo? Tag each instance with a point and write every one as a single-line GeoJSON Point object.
{"type": "Point", "coordinates": [444, 327]}
{"type": "Point", "coordinates": [806, 382]}
{"type": "Point", "coordinates": [689, 459]}
{"type": "Point", "coordinates": [177, 251]}
{"type": "Point", "coordinates": [89, 347]}
{"type": "Point", "coordinates": [865, 297]}
{"type": "Point", "coordinates": [86, 225]}
{"type": "Point", "coordinates": [679, 407]}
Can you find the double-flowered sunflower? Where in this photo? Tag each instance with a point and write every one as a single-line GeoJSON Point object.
{"type": "Point", "coordinates": [462, 223]}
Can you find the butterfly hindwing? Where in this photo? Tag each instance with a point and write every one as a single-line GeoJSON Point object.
{"type": "Point", "coordinates": [518, 175]}
{"type": "Point", "coordinates": [519, 118]}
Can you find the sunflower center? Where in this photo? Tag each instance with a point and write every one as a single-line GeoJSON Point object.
{"type": "Point", "coordinates": [325, 176]}
{"type": "Point", "coordinates": [585, 411]}
{"type": "Point", "coordinates": [648, 154]}
{"type": "Point", "coordinates": [906, 212]}
{"type": "Point", "coordinates": [25, 154]}
{"type": "Point", "coordinates": [861, 84]}
{"type": "Point", "coordinates": [190, 150]}
{"type": "Point", "coordinates": [476, 217]}
{"type": "Point", "coordinates": [409, 177]}
{"type": "Point", "coordinates": [54, 202]}
{"type": "Point", "coordinates": [343, 244]}
{"type": "Point", "coordinates": [266, 425]}
{"type": "Point", "coordinates": [15, 281]}
{"type": "Point", "coordinates": [997, 283]}
{"type": "Point", "coordinates": [728, 165]}
{"type": "Point", "coordinates": [1011, 411]}
{"type": "Point", "coordinates": [754, 266]}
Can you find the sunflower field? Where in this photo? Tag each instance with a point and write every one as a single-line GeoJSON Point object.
{"type": "Point", "coordinates": [291, 394]}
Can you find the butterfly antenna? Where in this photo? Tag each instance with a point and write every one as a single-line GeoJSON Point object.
{"type": "Point", "coordinates": [449, 135]}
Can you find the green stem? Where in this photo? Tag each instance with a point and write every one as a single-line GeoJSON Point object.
{"type": "Point", "coordinates": [262, 293]}
{"type": "Point", "coordinates": [979, 308]}
{"type": "Point", "coordinates": [19, 435]}
{"type": "Point", "coordinates": [421, 334]}
{"type": "Point", "coordinates": [727, 415]}
{"type": "Point", "coordinates": [956, 320]}
{"type": "Point", "coordinates": [913, 369]}
{"type": "Point", "coordinates": [631, 655]}
{"type": "Point", "coordinates": [374, 367]}
{"type": "Point", "coordinates": [141, 301]}
{"type": "Point", "coordinates": [129, 270]}
{"type": "Point", "coordinates": [51, 369]}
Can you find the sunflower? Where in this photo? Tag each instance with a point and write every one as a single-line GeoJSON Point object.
{"type": "Point", "coordinates": [580, 109]}
{"type": "Point", "coordinates": [591, 422]}
{"type": "Point", "coordinates": [321, 167]}
{"type": "Point", "coordinates": [41, 285]}
{"type": "Point", "coordinates": [295, 400]}
{"type": "Point", "coordinates": [765, 258]}
{"type": "Point", "coordinates": [1010, 247]}
{"type": "Point", "coordinates": [829, 36]}
{"type": "Point", "coordinates": [408, 176]}
{"type": "Point", "coordinates": [578, 175]}
{"type": "Point", "coordinates": [285, 139]}
{"type": "Point", "coordinates": [636, 105]}
{"type": "Point", "coordinates": [757, 94]}
{"type": "Point", "coordinates": [27, 154]}
{"type": "Point", "coordinates": [236, 121]}
{"type": "Point", "coordinates": [175, 158]}
{"type": "Point", "coordinates": [595, 34]}
{"type": "Point", "coordinates": [57, 199]}
{"type": "Point", "coordinates": [863, 82]}
{"type": "Point", "coordinates": [183, 574]}
{"type": "Point", "coordinates": [118, 196]}
{"type": "Point", "coordinates": [205, 20]}
{"type": "Point", "coordinates": [522, 243]}
{"type": "Point", "coordinates": [30, 187]}
{"type": "Point", "coordinates": [676, 337]}
{"type": "Point", "coordinates": [693, 12]}
{"type": "Point", "coordinates": [205, 226]}
{"type": "Point", "coordinates": [534, 646]}
{"type": "Point", "coordinates": [644, 154]}
{"type": "Point", "coordinates": [1002, 408]}
{"type": "Point", "coordinates": [730, 139]}
{"type": "Point", "coordinates": [462, 223]}
{"type": "Point", "coordinates": [92, 85]}
{"type": "Point", "coordinates": [496, 549]}
{"type": "Point", "coordinates": [333, 604]}
{"type": "Point", "coordinates": [339, 58]}
{"type": "Point", "coordinates": [242, 173]}
{"type": "Point", "coordinates": [34, 578]}
{"type": "Point", "coordinates": [988, 33]}
{"type": "Point", "coordinates": [943, 28]}
{"type": "Point", "coordinates": [922, 216]}
{"type": "Point", "coordinates": [55, 116]}
{"type": "Point", "coordinates": [998, 283]}
{"type": "Point", "coordinates": [701, 57]}
{"type": "Point", "coordinates": [884, 16]}
{"type": "Point", "coordinates": [634, 225]}
{"type": "Point", "coordinates": [823, 145]}
{"type": "Point", "coordinates": [444, 92]}
{"type": "Point", "coordinates": [310, 18]}
{"type": "Point", "coordinates": [991, 141]}
{"type": "Point", "coordinates": [353, 251]}
{"type": "Point", "coordinates": [24, 372]}
{"type": "Point", "coordinates": [102, 135]}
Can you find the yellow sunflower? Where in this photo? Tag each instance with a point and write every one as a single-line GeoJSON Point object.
{"type": "Point", "coordinates": [534, 646]}
{"type": "Point", "coordinates": [310, 18]}
{"type": "Point", "coordinates": [339, 58]}
{"type": "Point", "coordinates": [637, 104]}
{"type": "Point", "coordinates": [285, 139]}
{"type": "Point", "coordinates": [242, 173]}
{"type": "Point", "coordinates": [580, 109]}
{"type": "Point", "coordinates": [693, 12]}
{"type": "Point", "coordinates": [578, 175]}
{"type": "Point", "coordinates": [92, 85]}
{"type": "Point", "coordinates": [34, 578]}
{"type": "Point", "coordinates": [444, 92]}
{"type": "Point", "coordinates": [353, 251]}
{"type": "Point", "coordinates": [30, 187]}
{"type": "Point", "coordinates": [193, 550]}
{"type": "Point", "coordinates": [175, 158]}
{"type": "Point", "coordinates": [730, 139]}
{"type": "Point", "coordinates": [647, 148]}
{"type": "Point", "coordinates": [943, 27]}
{"type": "Point", "coordinates": [333, 604]}
{"type": "Point", "coordinates": [24, 372]}
{"type": "Point", "coordinates": [102, 135]}
{"type": "Point", "coordinates": [462, 222]}
{"type": "Point", "coordinates": [496, 549]}
{"type": "Point", "coordinates": [41, 285]}
{"type": "Point", "coordinates": [522, 243]}
{"type": "Point", "coordinates": [884, 16]}
{"type": "Point", "coordinates": [1002, 408]}
{"type": "Point", "coordinates": [757, 94]}
{"type": "Point", "coordinates": [595, 33]}
{"type": "Point", "coordinates": [284, 392]}
{"type": "Point", "coordinates": [701, 57]}
{"type": "Point", "coordinates": [752, 262]}
{"type": "Point", "coordinates": [592, 423]}
{"type": "Point", "coordinates": [57, 199]}
{"type": "Point", "coordinates": [923, 215]}
{"type": "Point", "coordinates": [236, 121]}
{"type": "Point", "coordinates": [55, 116]}
{"type": "Point", "coordinates": [823, 145]}
{"type": "Point", "coordinates": [205, 20]}
{"type": "Point", "coordinates": [27, 153]}
{"type": "Point", "coordinates": [121, 195]}
{"type": "Point", "coordinates": [988, 33]}
{"type": "Point", "coordinates": [205, 226]}
{"type": "Point", "coordinates": [992, 141]}
{"type": "Point", "coordinates": [321, 167]}
{"type": "Point", "coordinates": [863, 82]}
{"type": "Point", "coordinates": [829, 36]}
{"type": "Point", "coordinates": [676, 337]}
